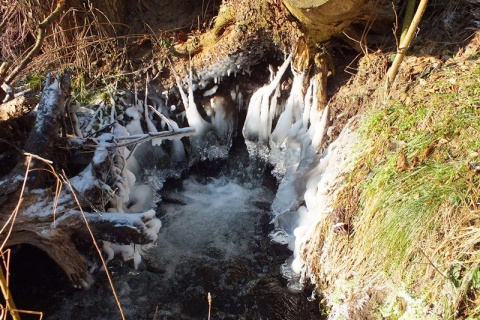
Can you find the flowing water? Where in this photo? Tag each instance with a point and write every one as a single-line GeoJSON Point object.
{"type": "Point", "coordinates": [214, 240]}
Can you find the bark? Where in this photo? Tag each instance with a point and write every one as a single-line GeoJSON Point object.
{"type": "Point", "coordinates": [17, 107]}
{"type": "Point", "coordinates": [323, 19]}
{"type": "Point", "coordinates": [57, 238]}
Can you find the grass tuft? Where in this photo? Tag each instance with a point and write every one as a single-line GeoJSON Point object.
{"type": "Point", "coordinates": [412, 206]}
{"type": "Point", "coordinates": [418, 219]}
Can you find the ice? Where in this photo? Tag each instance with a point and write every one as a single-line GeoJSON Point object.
{"type": "Point", "coordinates": [320, 130]}
{"type": "Point", "coordinates": [307, 176]}
{"type": "Point", "coordinates": [210, 91]}
{"type": "Point", "coordinates": [127, 251]}
{"type": "Point", "coordinates": [293, 110]}
{"type": "Point", "coordinates": [194, 118]}
{"type": "Point", "coordinates": [223, 117]}
{"type": "Point", "coordinates": [177, 152]}
{"type": "Point", "coordinates": [151, 127]}
{"type": "Point", "coordinates": [134, 126]}
{"type": "Point", "coordinates": [257, 125]}
{"type": "Point", "coordinates": [141, 197]}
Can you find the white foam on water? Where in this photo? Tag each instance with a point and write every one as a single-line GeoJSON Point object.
{"type": "Point", "coordinates": [216, 220]}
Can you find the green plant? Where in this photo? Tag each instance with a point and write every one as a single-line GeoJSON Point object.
{"type": "Point", "coordinates": [80, 91]}
{"type": "Point", "coordinates": [34, 81]}
{"type": "Point", "coordinates": [417, 220]}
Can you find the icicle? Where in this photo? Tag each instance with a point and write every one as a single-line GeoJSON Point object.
{"type": "Point", "coordinates": [194, 118]}
{"type": "Point", "coordinates": [293, 110]}
{"type": "Point", "coordinates": [258, 114]}
{"type": "Point", "coordinates": [134, 127]}
{"type": "Point", "coordinates": [146, 91]}
{"type": "Point", "coordinates": [210, 91]}
{"type": "Point", "coordinates": [151, 127]}
{"type": "Point", "coordinates": [108, 250]}
{"type": "Point", "coordinates": [223, 118]}
{"type": "Point", "coordinates": [177, 152]}
{"type": "Point", "coordinates": [309, 97]}
{"type": "Point", "coordinates": [137, 258]}
{"type": "Point", "coordinates": [320, 130]}
{"type": "Point", "coordinates": [273, 109]}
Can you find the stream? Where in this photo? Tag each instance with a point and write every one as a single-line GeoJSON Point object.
{"type": "Point", "coordinates": [214, 240]}
{"type": "Point", "coordinates": [219, 217]}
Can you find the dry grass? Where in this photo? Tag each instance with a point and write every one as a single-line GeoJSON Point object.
{"type": "Point", "coordinates": [75, 41]}
{"type": "Point", "coordinates": [411, 206]}
{"type": "Point", "coordinates": [82, 40]}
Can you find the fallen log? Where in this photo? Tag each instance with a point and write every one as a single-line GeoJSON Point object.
{"type": "Point", "coordinates": [17, 107]}
{"type": "Point", "coordinates": [45, 208]}
{"type": "Point", "coordinates": [41, 140]}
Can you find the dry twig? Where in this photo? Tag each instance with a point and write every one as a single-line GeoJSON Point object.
{"type": "Point", "coordinates": [38, 44]}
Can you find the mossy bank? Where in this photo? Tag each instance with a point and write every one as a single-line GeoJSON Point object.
{"type": "Point", "coordinates": [409, 211]}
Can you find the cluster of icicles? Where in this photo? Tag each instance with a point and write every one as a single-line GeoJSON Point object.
{"type": "Point", "coordinates": [207, 140]}
{"type": "Point", "coordinates": [292, 146]}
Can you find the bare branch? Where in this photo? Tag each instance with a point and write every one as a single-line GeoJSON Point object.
{"type": "Point", "coordinates": [402, 50]}
{"type": "Point", "coordinates": [33, 52]}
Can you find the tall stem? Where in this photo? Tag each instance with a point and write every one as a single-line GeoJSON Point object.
{"type": "Point", "coordinates": [393, 70]}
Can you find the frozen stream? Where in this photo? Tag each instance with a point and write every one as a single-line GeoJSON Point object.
{"type": "Point", "coordinates": [214, 239]}
{"type": "Point", "coordinates": [217, 220]}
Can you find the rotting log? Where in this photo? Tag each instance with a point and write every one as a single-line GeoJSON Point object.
{"type": "Point", "coordinates": [43, 136]}
{"type": "Point", "coordinates": [58, 212]}
{"type": "Point", "coordinates": [56, 238]}
{"type": "Point", "coordinates": [17, 107]}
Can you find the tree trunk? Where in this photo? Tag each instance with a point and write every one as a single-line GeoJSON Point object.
{"type": "Point", "coordinates": [322, 19]}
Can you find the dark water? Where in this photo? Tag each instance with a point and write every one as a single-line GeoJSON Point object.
{"type": "Point", "coordinates": [214, 239]}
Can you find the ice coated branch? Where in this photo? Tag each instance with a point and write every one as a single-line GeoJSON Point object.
{"type": "Point", "coordinates": [45, 133]}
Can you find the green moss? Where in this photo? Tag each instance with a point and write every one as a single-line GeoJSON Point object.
{"type": "Point", "coordinates": [34, 81]}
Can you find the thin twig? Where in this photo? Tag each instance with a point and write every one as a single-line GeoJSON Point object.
{"type": "Point", "coordinates": [38, 43]}
{"type": "Point", "coordinates": [130, 140]}
{"type": "Point", "coordinates": [209, 297]}
{"type": "Point", "coordinates": [11, 220]}
{"type": "Point", "coordinates": [432, 264]}
{"type": "Point", "coordinates": [66, 181]}
{"type": "Point", "coordinates": [14, 214]}
{"type": "Point", "coordinates": [5, 285]}
{"type": "Point", "coordinates": [158, 113]}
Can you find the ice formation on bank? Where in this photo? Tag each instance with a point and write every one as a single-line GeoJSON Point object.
{"type": "Point", "coordinates": [293, 147]}
{"type": "Point", "coordinates": [141, 168]}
